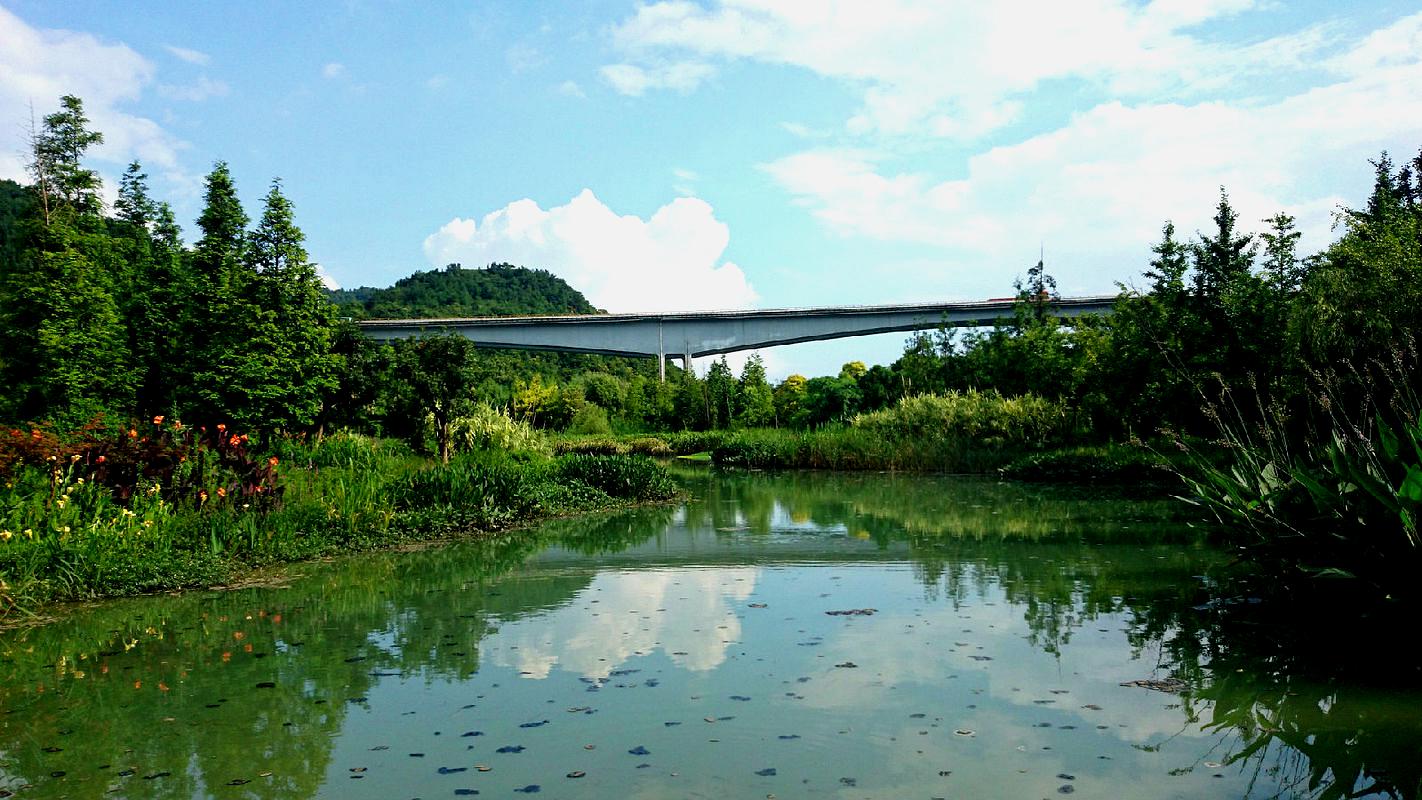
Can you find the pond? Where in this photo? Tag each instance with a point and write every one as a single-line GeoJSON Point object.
{"type": "Point", "coordinates": [781, 635]}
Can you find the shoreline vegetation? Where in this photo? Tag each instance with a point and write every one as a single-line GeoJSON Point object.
{"type": "Point", "coordinates": [106, 513]}
{"type": "Point", "coordinates": [1279, 388]}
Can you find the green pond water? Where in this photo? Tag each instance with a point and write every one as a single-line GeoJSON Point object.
{"type": "Point", "coordinates": [795, 635]}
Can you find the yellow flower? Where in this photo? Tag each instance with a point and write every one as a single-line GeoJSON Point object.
{"type": "Point", "coordinates": [30, 533]}
{"type": "Point", "coordinates": [65, 529]}
{"type": "Point", "coordinates": [5, 536]}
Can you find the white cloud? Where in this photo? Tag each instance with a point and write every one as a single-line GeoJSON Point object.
{"type": "Point", "coordinates": [682, 76]}
{"type": "Point", "coordinates": [436, 82]}
{"type": "Point", "coordinates": [571, 89]}
{"type": "Point", "coordinates": [1098, 188]}
{"type": "Point", "coordinates": [953, 69]}
{"type": "Point", "coordinates": [333, 70]}
{"type": "Point", "coordinates": [191, 56]}
{"type": "Point", "coordinates": [202, 89]}
{"type": "Point", "coordinates": [671, 261]}
{"type": "Point", "coordinates": [39, 66]}
{"type": "Point", "coordinates": [686, 613]}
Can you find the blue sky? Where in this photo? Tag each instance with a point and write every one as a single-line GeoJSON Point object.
{"type": "Point", "coordinates": [679, 155]}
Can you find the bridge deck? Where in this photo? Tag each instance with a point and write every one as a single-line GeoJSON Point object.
{"type": "Point", "coordinates": [691, 334]}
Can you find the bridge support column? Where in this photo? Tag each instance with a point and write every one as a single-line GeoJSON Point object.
{"type": "Point", "coordinates": [661, 356]}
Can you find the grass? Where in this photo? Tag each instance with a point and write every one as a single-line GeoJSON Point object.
{"type": "Point", "coordinates": [65, 536]}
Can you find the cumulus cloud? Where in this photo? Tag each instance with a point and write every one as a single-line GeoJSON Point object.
{"type": "Point", "coordinates": [953, 69]}
{"type": "Point", "coordinates": [687, 613]}
{"type": "Point", "coordinates": [333, 70]}
{"type": "Point", "coordinates": [1108, 179]}
{"type": "Point", "coordinates": [670, 261]}
{"type": "Point", "coordinates": [39, 66]}
{"type": "Point", "coordinates": [572, 89]}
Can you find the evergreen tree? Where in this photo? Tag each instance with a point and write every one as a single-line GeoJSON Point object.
{"type": "Point", "coordinates": [1223, 259]}
{"type": "Point", "coordinates": [133, 204]}
{"type": "Point", "coordinates": [293, 323]}
{"type": "Point", "coordinates": [56, 162]}
{"type": "Point", "coordinates": [63, 350]}
{"type": "Point", "coordinates": [220, 321]}
{"type": "Point", "coordinates": [1281, 261]}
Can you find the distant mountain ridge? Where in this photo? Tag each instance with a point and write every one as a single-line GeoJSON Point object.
{"type": "Point", "coordinates": [496, 290]}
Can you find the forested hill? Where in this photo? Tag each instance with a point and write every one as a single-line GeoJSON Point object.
{"type": "Point", "coordinates": [498, 290]}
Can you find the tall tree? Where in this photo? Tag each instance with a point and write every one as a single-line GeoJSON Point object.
{"type": "Point", "coordinates": [63, 350]}
{"type": "Point", "coordinates": [1281, 260]}
{"type": "Point", "coordinates": [439, 374]}
{"type": "Point", "coordinates": [296, 320]}
{"type": "Point", "coordinates": [57, 154]}
{"type": "Point", "coordinates": [220, 319]}
{"type": "Point", "coordinates": [756, 405]}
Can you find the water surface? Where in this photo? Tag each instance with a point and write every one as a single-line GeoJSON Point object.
{"type": "Point", "coordinates": [798, 635]}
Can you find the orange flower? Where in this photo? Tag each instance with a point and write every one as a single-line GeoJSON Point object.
{"type": "Point", "coordinates": [132, 434]}
{"type": "Point", "coordinates": [273, 461]}
{"type": "Point", "coordinates": [100, 460]}
{"type": "Point", "coordinates": [177, 424]}
{"type": "Point", "coordinates": [202, 495]}
{"type": "Point", "coordinates": [221, 426]}
{"type": "Point", "coordinates": [158, 420]}
{"type": "Point", "coordinates": [221, 492]}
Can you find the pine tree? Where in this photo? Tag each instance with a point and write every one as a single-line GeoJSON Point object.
{"type": "Point", "coordinates": [63, 348]}
{"type": "Point", "coordinates": [133, 205]}
{"type": "Point", "coordinates": [57, 154]}
{"type": "Point", "coordinates": [1222, 259]}
{"type": "Point", "coordinates": [1281, 261]}
{"type": "Point", "coordinates": [220, 321]}
{"type": "Point", "coordinates": [296, 320]}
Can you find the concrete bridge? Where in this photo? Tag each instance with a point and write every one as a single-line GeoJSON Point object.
{"type": "Point", "coordinates": [688, 335]}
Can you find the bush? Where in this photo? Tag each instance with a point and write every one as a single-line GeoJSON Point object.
{"type": "Point", "coordinates": [687, 443]}
{"type": "Point", "coordinates": [984, 417]}
{"type": "Point", "coordinates": [597, 446]}
{"type": "Point", "coordinates": [488, 428]}
{"type": "Point", "coordinates": [1110, 464]}
{"type": "Point", "coordinates": [590, 418]}
{"type": "Point", "coordinates": [482, 490]}
{"type": "Point", "coordinates": [649, 446]}
{"type": "Point", "coordinates": [343, 449]}
{"type": "Point", "coordinates": [635, 478]}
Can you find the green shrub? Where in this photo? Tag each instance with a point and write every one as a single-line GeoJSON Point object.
{"type": "Point", "coordinates": [985, 417]}
{"type": "Point", "coordinates": [685, 443]}
{"type": "Point", "coordinates": [482, 490]}
{"type": "Point", "coordinates": [649, 446]}
{"type": "Point", "coordinates": [344, 449]}
{"type": "Point", "coordinates": [488, 428]}
{"type": "Point", "coordinates": [590, 418]}
{"type": "Point", "coordinates": [1109, 464]}
{"type": "Point", "coordinates": [635, 478]}
{"type": "Point", "coordinates": [597, 446]}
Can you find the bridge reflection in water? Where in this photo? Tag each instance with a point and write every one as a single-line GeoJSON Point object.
{"type": "Point", "coordinates": [689, 335]}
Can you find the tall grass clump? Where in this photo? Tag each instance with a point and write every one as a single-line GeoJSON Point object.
{"type": "Point", "coordinates": [1338, 498]}
{"type": "Point", "coordinates": [632, 478]}
{"type": "Point", "coordinates": [489, 428]}
{"type": "Point", "coordinates": [984, 417]}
